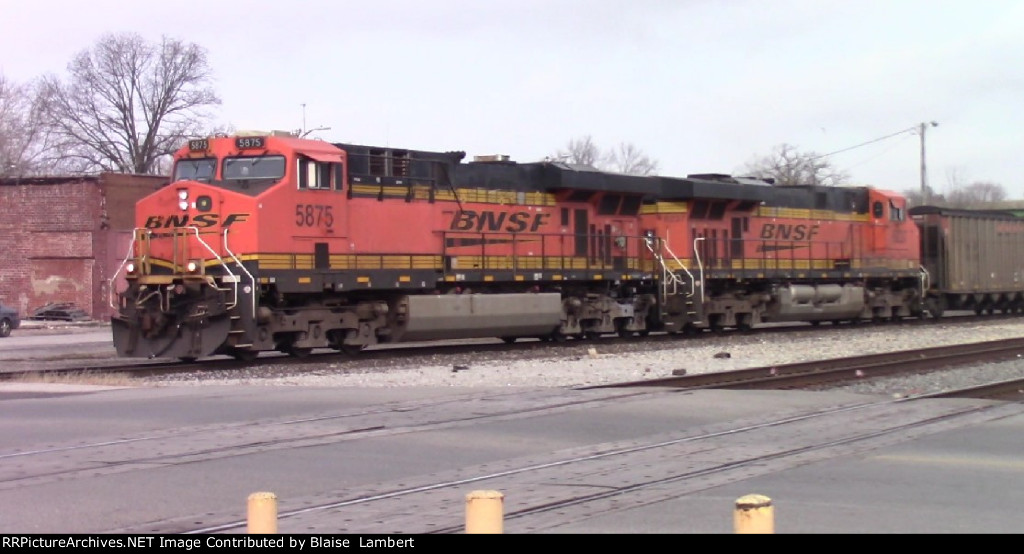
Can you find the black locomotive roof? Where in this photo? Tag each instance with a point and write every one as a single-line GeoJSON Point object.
{"type": "Point", "coordinates": [712, 186]}
{"type": "Point", "coordinates": [447, 169]}
{"type": "Point", "coordinates": [555, 176]}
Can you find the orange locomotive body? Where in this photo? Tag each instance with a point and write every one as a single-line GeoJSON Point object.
{"type": "Point", "coordinates": [273, 242]}
{"type": "Point", "coordinates": [754, 253]}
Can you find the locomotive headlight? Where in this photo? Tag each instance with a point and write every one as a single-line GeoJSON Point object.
{"type": "Point", "coordinates": [130, 267]}
{"type": "Point", "coordinates": [182, 194]}
{"type": "Point", "coordinates": [183, 205]}
{"type": "Point", "coordinates": [204, 203]}
{"type": "Point", "coordinates": [193, 266]}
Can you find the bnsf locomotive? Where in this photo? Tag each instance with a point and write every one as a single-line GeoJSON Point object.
{"type": "Point", "coordinates": [271, 242]}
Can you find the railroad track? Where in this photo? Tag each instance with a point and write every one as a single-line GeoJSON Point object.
{"type": "Point", "coordinates": [835, 371]}
{"type": "Point", "coordinates": [1011, 390]}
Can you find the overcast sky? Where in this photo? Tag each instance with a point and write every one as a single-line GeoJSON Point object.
{"type": "Point", "coordinates": [698, 85]}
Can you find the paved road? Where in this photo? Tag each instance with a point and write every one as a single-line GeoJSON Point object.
{"type": "Point", "coordinates": [38, 347]}
{"type": "Point", "coordinates": [964, 480]}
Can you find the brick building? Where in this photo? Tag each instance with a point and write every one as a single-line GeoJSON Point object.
{"type": "Point", "coordinates": [62, 238]}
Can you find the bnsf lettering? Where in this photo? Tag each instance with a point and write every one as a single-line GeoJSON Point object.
{"type": "Point", "coordinates": [510, 222]}
{"type": "Point", "coordinates": [788, 232]}
{"type": "Point", "coordinates": [201, 220]}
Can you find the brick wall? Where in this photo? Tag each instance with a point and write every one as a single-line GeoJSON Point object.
{"type": "Point", "coordinates": [116, 220]}
{"type": "Point", "coordinates": [62, 238]}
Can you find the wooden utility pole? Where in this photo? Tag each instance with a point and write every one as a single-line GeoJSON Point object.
{"type": "Point", "coordinates": [924, 168]}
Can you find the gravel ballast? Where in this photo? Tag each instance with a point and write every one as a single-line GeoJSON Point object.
{"type": "Point", "coordinates": [610, 361]}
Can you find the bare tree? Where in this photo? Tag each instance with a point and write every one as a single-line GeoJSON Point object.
{"type": "Point", "coordinates": [788, 166]}
{"type": "Point", "coordinates": [960, 193]}
{"type": "Point", "coordinates": [580, 151]}
{"type": "Point", "coordinates": [128, 103]}
{"type": "Point", "coordinates": [22, 135]}
{"type": "Point", "coordinates": [976, 195]}
{"type": "Point", "coordinates": [627, 158]}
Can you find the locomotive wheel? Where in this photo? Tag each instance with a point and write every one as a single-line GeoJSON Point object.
{"type": "Point", "coordinates": [299, 352]}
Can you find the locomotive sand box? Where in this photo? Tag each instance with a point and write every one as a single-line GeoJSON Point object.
{"type": "Point", "coordinates": [271, 242]}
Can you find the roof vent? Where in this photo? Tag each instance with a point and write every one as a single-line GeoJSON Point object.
{"type": "Point", "coordinates": [491, 158]}
{"type": "Point", "coordinates": [259, 133]}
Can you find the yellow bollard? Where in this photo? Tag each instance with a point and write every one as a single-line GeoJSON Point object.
{"type": "Point", "coordinates": [262, 513]}
{"type": "Point", "coordinates": [754, 515]}
{"type": "Point", "coordinates": [484, 512]}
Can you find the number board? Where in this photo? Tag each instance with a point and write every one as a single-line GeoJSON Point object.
{"type": "Point", "coordinates": [248, 142]}
{"type": "Point", "coordinates": [198, 144]}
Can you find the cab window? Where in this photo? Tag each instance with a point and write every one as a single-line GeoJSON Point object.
{"type": "Point", "coordinates": [195, 169]}
{"type": "Point", "coordinates": [877, 210]}
{"type": "Point", "coordinates": [316, 175]}
{"type": "Point", "coordinates": [254, 167]}
{"type": "Point", "coordinates": [896, 213]}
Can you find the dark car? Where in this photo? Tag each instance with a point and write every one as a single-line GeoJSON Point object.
{"type": "Point", "coordinates": [9, 320]}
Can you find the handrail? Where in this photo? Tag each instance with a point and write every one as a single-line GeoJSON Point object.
{"type": "Point", "coordinates": [668, 276]}
{"type": "Point", "coordinates": [700, 265]}
{"type": "Point", "coordinates": [556, 250]}
{"type": "Point", "coordinates": [252, 279]}
{"type": "Point", "coordinates": [234, 277]}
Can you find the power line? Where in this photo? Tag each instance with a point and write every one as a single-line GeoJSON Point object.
{"type": "Point", "coordinates": [876, 155]}
{"type": "Point", "coordinates": [908, 130]}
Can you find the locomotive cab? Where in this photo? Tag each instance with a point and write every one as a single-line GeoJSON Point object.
{"type": "Point", "coordinates": [192, 271]}
{"type": "Point", "coordinates": [891, 235]}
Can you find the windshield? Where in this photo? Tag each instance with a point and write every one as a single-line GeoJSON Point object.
{"type": "Point", "coordinates": [195, 169]}
{"type": "Point", "coordinates": [257, 167]}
